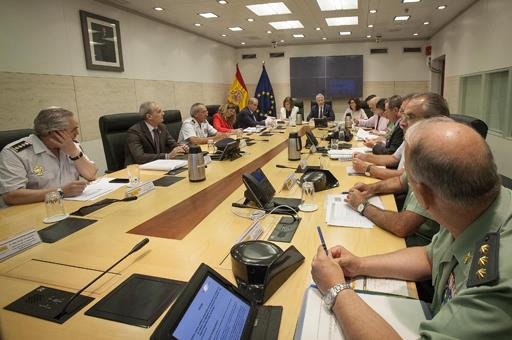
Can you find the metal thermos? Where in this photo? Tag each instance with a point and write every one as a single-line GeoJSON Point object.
{"type": "Point", "coordinates": [348, 121]}
{"type": "Point", "coordinates": [299, 118]}
{"type": "Point", "coordinates": [196, 166]}
{"type": "Point", "coordinates": [294, 146]}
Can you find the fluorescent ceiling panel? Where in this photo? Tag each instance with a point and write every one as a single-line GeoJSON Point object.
{"type": "Point", "coordinates": [345, 33]}
{"type": "Point", "coordinates": [410, 1]}
{"type": "Point", "coordinates": [235, 29]}
{"type": "Point", "coordinates": [342, 21]}
{"type": "Point", "coordinates": [208, 15]}
{"type": "Point", "coordinates": [298, 35]}
{"type": "Point", "coordinates": [286, 25]}
{"type": "Point", "coordinates": [271, 8]}
{"type": "Point", "coordinates": [402, 17]}
{"type": "Point", "coordinates": [336, 5]}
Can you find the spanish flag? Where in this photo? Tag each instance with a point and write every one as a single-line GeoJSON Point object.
{"type": "Point", "coordinates": [238, 94]}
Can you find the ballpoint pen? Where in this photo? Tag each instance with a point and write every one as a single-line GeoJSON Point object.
{"type": "Point", "coordinates": [322, 239]}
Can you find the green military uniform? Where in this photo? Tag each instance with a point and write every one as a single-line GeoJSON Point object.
{"type": "Point", "coordinates": [428, 229]}
{"type": "Point", "coordinates": [483, 311]}
{"type": "Point", "coordinates": [28, 163]}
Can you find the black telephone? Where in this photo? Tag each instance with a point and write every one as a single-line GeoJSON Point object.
{"type": "Point", "coordinates": [259, 189]}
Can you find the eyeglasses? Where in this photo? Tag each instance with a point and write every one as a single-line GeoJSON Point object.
{"type": "Point", "coordinates": [409, 116]}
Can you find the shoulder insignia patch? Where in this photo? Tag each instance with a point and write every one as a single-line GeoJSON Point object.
{"type": "Point", "coordinates": [484, 267]}
{"type": "Point", "coordinates": [21, 146]}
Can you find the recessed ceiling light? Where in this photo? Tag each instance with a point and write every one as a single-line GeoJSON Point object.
{"type": "Point", "coordinates": [222, 2]}
{"type": "Point", "coordinates": [282, 41]}
{"type": "Point", "coordinates": [370, 26]}
{"type": "Point", "coordinates": [271, 8]}
{"type": "Point", "coordinates": [208, 15]}
{"type": "Point", "coordinates": [335, 5]}
{"type": "Point", "coordinates": [442, 7]}
{"type": "Point", "coordinates": [410, 1]}
{"type": "Point", "coordinates": [250, 20]}
{"type": "Point", "coordinates": [426, 23]}
{"type": "Point", "coordinates": [373, 11]}
{"type": "Point", "coordinates": [300, 35]}
{"type": "Point", "coordinates": [368, 36]}
{"type": "Point", "coordinates": [242, 43]}
{"type": "Point", "coordinates": [402, 17]}
{"type": "Point", "coordinates": [324, 38]}
{"type": "Point", "coordinates": [415, 34]}
{"type": "Point", "coordinates": [158, 9]}
{"type": "Point", "coordinates": [286, 25]}
{"type": "Point", "coordinates": [318, 28]}
{"type": "Point", "coordinates": [345, 33]}
{"type": "Point", "coordinates": [269, 32]}
{"type": "Point", "coordinates": [235, 29]}
{"type": "Point", "coordinates": [223, 35]}
{"type": "Point", "coordinates": [342, 21]}
{"type": "Point", "coordinates": [197, 24]}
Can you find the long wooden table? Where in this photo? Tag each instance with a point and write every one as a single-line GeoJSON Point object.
{"type": "Point", "coordinates": [174, 251]}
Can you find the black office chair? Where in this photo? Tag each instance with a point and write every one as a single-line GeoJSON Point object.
{"type": "Point", "coordinates": [9, 136]}
{"type": "Point", "coordinates": [113, 129]}
{"type": "Point", "coordinates": [300, 104]}
{"type": "Point", "coordinates": [506, 182]}
{"type": "Point", "coordinates": [327, 102]}
{"type": "Point", "coordinates": [212, 110]}
{"type": "Point", "coordinates": [477, 124]}
{"type": "Point", "coordinates": [173, 122]}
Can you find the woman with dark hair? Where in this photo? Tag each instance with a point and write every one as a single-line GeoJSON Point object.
{"type": "Point", "coordinates": [289, 111]}
{"type": "Point", "coordinates": [354, 109]}
{"type": "Point", "coordinates": [224, 120]}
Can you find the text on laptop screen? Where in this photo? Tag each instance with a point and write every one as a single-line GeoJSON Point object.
{"type": "Point", "coordinates": [215, 313]}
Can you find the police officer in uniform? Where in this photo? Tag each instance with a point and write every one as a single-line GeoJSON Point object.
{"type": "Point", "coordinates": [49, 160]}
{"type": "Point", "coordinates": [196, 129]}
{"type": "Point", "coordinates": [453, 175]}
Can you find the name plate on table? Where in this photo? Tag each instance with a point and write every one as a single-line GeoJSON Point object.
{"type": "Point", "coordinates": [140, 189]}
{"type": "Point", "coordinates": [289, 182]}
{"type": "Point", "coordinates": [252, 233]}
{"type": "Point", "coordinates": [18, 243]}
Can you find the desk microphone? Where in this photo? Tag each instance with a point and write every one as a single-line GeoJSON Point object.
{"type": "Point", "coordinates": [136, 248]}
{"type": "Point", "coordinates": [285, 167]}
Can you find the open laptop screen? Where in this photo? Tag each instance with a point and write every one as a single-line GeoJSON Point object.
{"type": "Point", "coordinates": [215, 312]}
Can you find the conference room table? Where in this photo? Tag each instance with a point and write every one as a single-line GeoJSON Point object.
{"type": "Point", "coordinates": [188, 223]}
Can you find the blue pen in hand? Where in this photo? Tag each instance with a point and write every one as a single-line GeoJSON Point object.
{"type": "Point", "coordinates": [322, 239]}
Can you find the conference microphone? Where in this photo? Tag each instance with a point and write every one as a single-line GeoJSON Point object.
{"type": "Point", "coordinates": [136, 248]}
{"type": "Point", "coordinates": [285, 167]}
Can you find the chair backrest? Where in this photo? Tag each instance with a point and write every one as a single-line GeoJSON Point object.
{"type": "Point", "coordinates": [212, 110]}
{"type": "Point", "coordinates": [9, 136]}
{"type": "Point", "coordinates": [113, 129]}
{"type": "Point", "coordinates": [300, 104]}
{"type": "Point", "coordinates": [327, 102]}
{"type": "Point", "coordinates": [477, 124]}
{"type": "Point", "coordinates": [173, 122]}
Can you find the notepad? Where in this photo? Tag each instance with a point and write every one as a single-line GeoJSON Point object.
{"type": "Point", "coordinates": [316, 322]}
{"type": "Point", "coordinates": [340, 213]}
{"type": "Point", "coordinates": [163, 164]}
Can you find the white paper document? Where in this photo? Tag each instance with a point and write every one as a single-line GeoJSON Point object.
{"type": "Point", "coordinates": [378, 285]}
{"type": "Point", "coordinates": [340, 213]}
{"type": "Point", "coordinates": [96, 189]}
{"type": "Point", "coordinates": [363, 135]}
{"type": "Point", "coordinates": [347, 154]}
{"type": "Point", "coordinates": [317, 323]}
{"type": "Point", "coordinates": [164, 164]}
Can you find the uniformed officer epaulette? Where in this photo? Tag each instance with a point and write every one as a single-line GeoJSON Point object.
{"type": "Point", "coordinates": [21, 146]}
{"type": "Point", "coordinates": [484, 267]}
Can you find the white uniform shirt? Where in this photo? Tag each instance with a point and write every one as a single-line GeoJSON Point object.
{"type": "Point", "coordinates": [191, 128]}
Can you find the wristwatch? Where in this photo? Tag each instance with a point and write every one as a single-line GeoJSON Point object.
{"type": "Point", "coordinates": [80, 155]}
{"type": "Point", "coordinates": [367, 171]}
{"type": "Point", "coordinates": [61, 192]}
{"type": "Point", "coordinates": [361, 207]}
{"type": "Point", "coordinates": [332, 293]}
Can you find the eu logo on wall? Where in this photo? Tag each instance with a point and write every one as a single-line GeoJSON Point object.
{"type": "Point", "coordinates": [102, 42]}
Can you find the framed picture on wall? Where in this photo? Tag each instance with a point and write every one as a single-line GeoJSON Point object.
{"type": "Point", "coordinates": [102, 42]}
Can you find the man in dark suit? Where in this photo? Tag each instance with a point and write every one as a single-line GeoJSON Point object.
{"type": "Point", "coordinates": [321, 110]}
{"type": "Point", "coordinates": [149, 139]}
{"type": "Point", "coordinates": [396, 137]}
{"type": "Point", "coordinates": [246, 117]}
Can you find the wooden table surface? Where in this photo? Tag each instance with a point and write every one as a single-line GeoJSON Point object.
{"type": "Point", "coordinates": [72, 262]}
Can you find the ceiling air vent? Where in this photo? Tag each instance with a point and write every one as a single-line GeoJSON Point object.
{"type": "Point", "coordinates": [378, 50]}
{"type": "Point", "coordinates": [276, 54]}
{"type": "Point", "coordinates": [412, 49]}
{"type": "Point", "coordinates": [249, 56]}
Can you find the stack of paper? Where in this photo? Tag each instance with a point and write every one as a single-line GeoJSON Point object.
{"type": "Point", "coordinates": [340, 213]}
{"type": "Point", "coordinates": [96, 189]}
{"type": "Point", "coordinates": [364, 135]}
{"type": "Point", "coordinates": [316, 322]}
{"type": "Point", "coordinates": [347, 154]}
{"type": "Point", "coordinates": [164, 164]}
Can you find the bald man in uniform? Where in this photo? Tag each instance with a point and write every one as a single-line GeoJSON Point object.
{"type": "Point", "coordinates": [453, 175]}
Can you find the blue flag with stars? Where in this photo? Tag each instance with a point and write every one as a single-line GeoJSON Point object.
{"type": "Point", "coordinates": [265, 96]}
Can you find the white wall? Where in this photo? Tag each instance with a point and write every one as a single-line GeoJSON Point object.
{"type": "Point", "coordinates": [45, 37]}
{"type": "Point", "coordinates": [476, 41]}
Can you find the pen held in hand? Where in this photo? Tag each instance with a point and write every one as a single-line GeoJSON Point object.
{"type": "Point", "coordinates": [322, 240]}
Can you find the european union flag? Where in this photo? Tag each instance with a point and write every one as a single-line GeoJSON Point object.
{"type": "Point", "coordinates": [265, 96]}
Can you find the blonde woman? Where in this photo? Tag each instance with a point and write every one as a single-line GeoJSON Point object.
{"type": "Point", "coordinates": [224, 120]}
{"type": "Point", "coordinates": [289, 111]}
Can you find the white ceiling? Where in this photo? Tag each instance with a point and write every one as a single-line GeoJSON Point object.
{"type": "Point", "coordinates": [184, 14]}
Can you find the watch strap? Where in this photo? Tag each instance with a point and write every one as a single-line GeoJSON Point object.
{"type": "Point", "coordinates": [80, 155]}
{"type": "Point", "coordinates": [334, 291]}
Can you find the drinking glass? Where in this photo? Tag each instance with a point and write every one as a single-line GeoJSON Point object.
{"type": "Point", "coordinates": [308, 197]}
{"type": "Point", "coordinates": [54, 207]}
{"type": "Point", "coordinates": [133, 175]}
